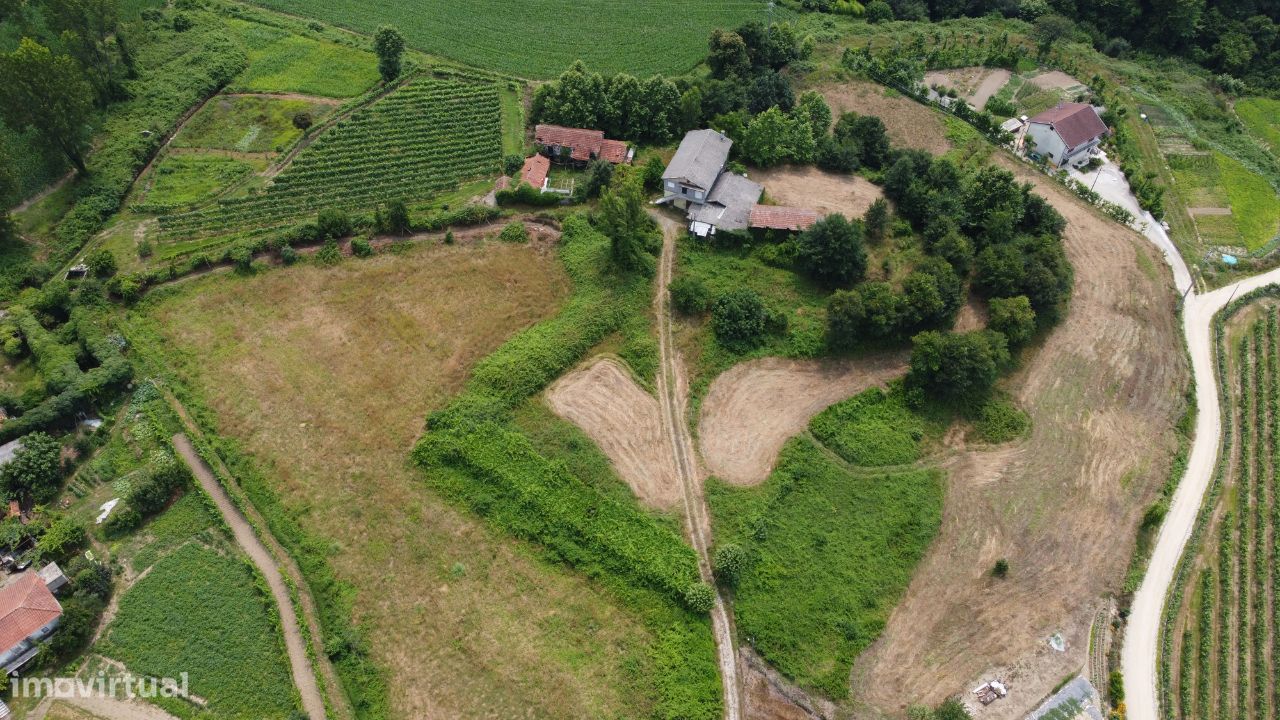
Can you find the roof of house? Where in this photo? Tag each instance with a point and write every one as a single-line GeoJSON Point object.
{"type": "Point", "coordinates": [535, 170]}
{"type": "Point", "coordinates": [1075, 123]}
{"type": "Point", "coordinates": [582, 143]}
{"type": "Point", "coordinates": [729, 204]}
{"type": "Point", "coordinates": [776, 217]}
{"type": "Point", "coordinates": [699, 159]}
{"type": "Point", "coordinates": [26, 605]}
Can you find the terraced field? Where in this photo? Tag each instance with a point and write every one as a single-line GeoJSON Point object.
{"type": "Point", "coordinates": [1221, 647]}
{"type": "Point", "coordinates": [540, 38]}
{"type": "Point", "coordinates": [419, 140]}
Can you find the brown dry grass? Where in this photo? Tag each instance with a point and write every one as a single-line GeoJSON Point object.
{"type": "Point", "coordinates": [1055, 80]}
{"type": "Point", "coordinates": [1103, 391]}
{"type": "Point", "coordinates": [326, 375]}
{"type": "Point", "coordinates": [909, 123]}
{"type": "Point", "coordinates": [809, 187]}
{"type": "Point", "coordinates": [753, 409]}
{"type": "Point", "coordinates": [626, 423]}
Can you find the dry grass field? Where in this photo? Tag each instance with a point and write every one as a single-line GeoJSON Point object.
{"type": "Point", "coordinates": [325, 376]}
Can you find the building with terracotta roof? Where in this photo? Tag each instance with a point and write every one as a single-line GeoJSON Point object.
{"type": "Point", "coordinates": [29, 613]}
{"type": "Point", "coordinates": [579, 145]}
{"type": "Point", "coordinates": [1067, 134]}
{"type": "Point", "coordinates": [534, 171]}
{"type": "Point", "coordinates": [777, 217]}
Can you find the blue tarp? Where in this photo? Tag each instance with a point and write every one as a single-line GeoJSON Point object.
{"type": "Point", "coordinates": [1229, 259]}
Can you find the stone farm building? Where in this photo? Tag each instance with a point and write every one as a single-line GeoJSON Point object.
{"type": "Point", "coordinates": [1067, 135]}
{"type": "Point", "coordinates": [579, 146]}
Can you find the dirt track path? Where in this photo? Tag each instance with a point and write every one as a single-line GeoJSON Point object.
{"type": "Point", "coordinates": [673, 398]}
{"type": "Point", "coordinates": [1141, 646]}
{"type": "Point", "coordinates": [299, 663]}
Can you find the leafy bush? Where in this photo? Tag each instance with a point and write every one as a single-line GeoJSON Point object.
{"type": "Point", "coordinates": [699, 597]}
{"type": "Point", "coordinates": [34, 471]}
{"type": "Point", "coordinates": [360, 247]}
{"type": "Point", "coordinates": [514, 232]}
{"type": "Point", "coordinates": [1000, 420]}
{"type": "Point", "coordinates": [329, 253]}
{"type": "Point", "coordinates": [738, 319]}
{"type": "Point", "coordinates": [729, 561]}
{"type": "Point", "coordinates": [525, 194]}
{"type": "Point", "coordinates": [958, 368]}
{"type": "Point", "coordinates": [333, 223]}
{"type": "Point", "coordinates": [689, 296]}
{"type": "Point", "coordinates": [1014, 318]}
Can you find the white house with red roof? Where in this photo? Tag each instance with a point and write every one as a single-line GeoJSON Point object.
{"type": "Point", "coordinates": [29, 613]}
{"type": "Point", "coordinates": [1067, 134]}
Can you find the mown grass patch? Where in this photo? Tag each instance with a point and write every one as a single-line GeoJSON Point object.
{"type": "Point", "coordinates": [248, 123]}
{"type": "Point", "coordinates": [283, 62]}
{"type": "Point", "coordinates": [205, 614]}
{"type": "Point", "coordinates": [829, 553]}
{"type": "Point", "coordinates": [642, 38]}
{"type": "Point", "coordinates": [872, 429]}
{"type": "Point", "coordinates": [1262, 117]}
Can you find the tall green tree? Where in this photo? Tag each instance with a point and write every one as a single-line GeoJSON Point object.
{"type": "Point", "coordinates": [959, 368]}
{"type": "Point", "coordinates": [87, 29]}
{"type": "Point", "coordinates": [727, 55]}
{"type": "Point", "coordinates": [34, 470]}
{"type": "Point", "coordinates": [47, 92]}
{"type": "Point", "coordinates": [623, 220]}
{"type": "Point", "coordinates": [832, 252]}
{"type": "Point", "coordinates": [388, 45]}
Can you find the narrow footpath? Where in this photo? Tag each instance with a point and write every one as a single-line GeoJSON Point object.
{"type": "Point", "coordinates": [247, 539]}
{"type": "Point", "coordinates": [1139, 656]}
{"type": "Point", "coordinates": [672, 398]}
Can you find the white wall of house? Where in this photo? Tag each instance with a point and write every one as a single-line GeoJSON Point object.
{"type": "Point", "coordinates": [1048, 144]}
{"type": "Point", "coordinates": [687, 193]}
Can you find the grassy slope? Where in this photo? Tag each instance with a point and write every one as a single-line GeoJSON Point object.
{"type": "Point", "coordinates": [1262, 117]}
{"type": "Point", "coordinates": [187, 179]}
{"type": "Point", "coordinates": [831, 551]}
{"type": "Point", "coordinates": [541, 38]}
{"type": "Point", "coordinates": [328, 394]}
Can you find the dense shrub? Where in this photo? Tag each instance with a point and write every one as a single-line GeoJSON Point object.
{"type": "Point", "coordinates": [832, 252]}
{"type": "Point", "coordinates": [1014, 318]}
{"type": "Point", "coordinates": [333, 223]}
{"type": "Point", "coordinates": [959, 368]}
{"type": "Point", "coordinates": [699, 597]}
{"type": "Point", "coordinates": [1000, 421]}
{"type": "Point", "coordinates": [514, 232]}
{"type": "Point", "coordinates": [360, 247]}
{"type": "Point", "coordinates": [689, 296]}
{"type": "Point", "coordinates": [729, 561]}
{"type": "Point", "coordinates": [525, 194]}
{"type": "Point", "coordinates": [34, 471]}
{"type": "Point", "coordinates": [738, 318]}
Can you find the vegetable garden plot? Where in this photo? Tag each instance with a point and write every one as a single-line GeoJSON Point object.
{"type": "Point", "coordinates": [422, 139]}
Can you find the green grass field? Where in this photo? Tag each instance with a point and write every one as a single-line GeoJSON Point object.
{"type": "Point", "coordinates": [541, 38]}
{"type": "Point", "coordinates": [282, 62]}
{"type": "Point", "coordinates": [872, 429]}
{"type": "Point", "coordinates": [1217, 181]}
{"type": "Point", "coordinates": [201, 612]}
{"type": "Point", "coordinates": [830, 552]}
{"type": "Point", "coordinates": [1262, 117]}
{"type": "Point", "coordinates": [248, 123]}
{"type": "Point", "coordinates": [183, 180]}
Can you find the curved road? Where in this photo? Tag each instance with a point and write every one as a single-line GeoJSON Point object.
{"type": "Point", "coordinates": [1141, 644]}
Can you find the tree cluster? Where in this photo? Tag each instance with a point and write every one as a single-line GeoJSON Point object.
{"type": "Point", "coordinates": [620, 105]}
{"type": "Point", "coordinates": [35, 470]}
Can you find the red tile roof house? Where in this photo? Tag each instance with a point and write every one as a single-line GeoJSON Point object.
{"type": "Point", "coordinates": [534, 172]}
{"type": "Point", "coordinates": [28, 614]}
{"type": "Point", "coordinates": [1067, 134]}
{"type": "Point", "coordinates": [581, 145]}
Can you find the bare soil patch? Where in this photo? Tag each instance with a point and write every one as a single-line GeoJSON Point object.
{"type": "Point", "coordinates": [827, 193]}
{"type": "Point", "coordinates": [325, 376]}
{"type": "Point", "coordinates": [1055, 80]}
{"type": "Point", "coordinates": [972, 315]}
{"type": "Point", "coordinates": [752, 409]}
{"type": "Point", "coordinates": [1209, 211]}
{"type": "Point", "coordinates": [909, 123]}
{"type": "Point", "coordinates": [1103, 391]}
{"type": "Point", "coordinates": [975, 84]}
{"type": "Point", "coordinates": [625, 421]}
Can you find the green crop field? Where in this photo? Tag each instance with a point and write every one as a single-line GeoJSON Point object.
{"type": "Point", "coordinates": [1262, 117]}
{"type": "Point", "coordinates": [282, 62]}
{"type": "Point", "coordinates": [421, 139]}
{"type": "Point", "coordinates": [201, 612]}
{"type": "Point", "coordinates": [541, 38]}
{"type": "Point", "coordinates": [830, 552]}
{"type": "Point", "coordinates": [248, 123]}
{"type": "Point", "coordinates": [1218, 181]}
